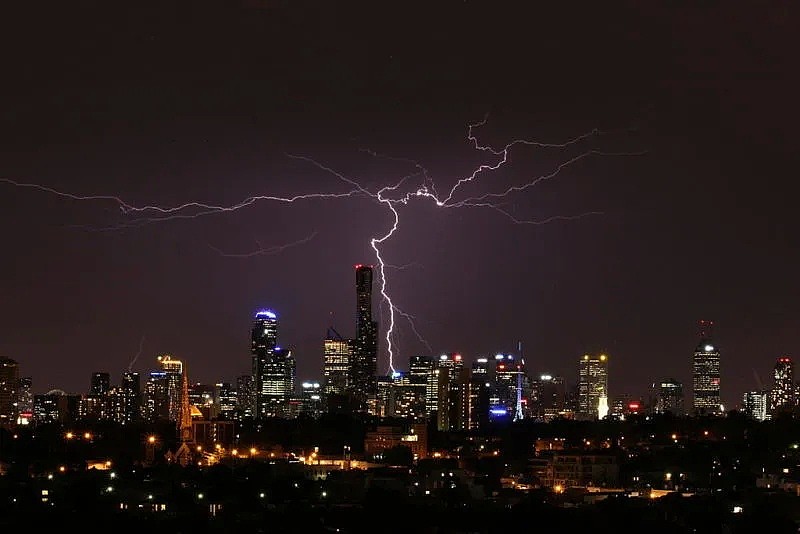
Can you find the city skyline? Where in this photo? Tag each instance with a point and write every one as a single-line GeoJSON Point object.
{"type": "Point", "coordinates": [112, 109]}
{"type": "Point", "coordinates": [270, 320]}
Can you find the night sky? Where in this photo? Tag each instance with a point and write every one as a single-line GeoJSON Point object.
{"type": "Point", "coordinates": [162, 103]}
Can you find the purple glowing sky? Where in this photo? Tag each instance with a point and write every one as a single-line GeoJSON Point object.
{"type": "Point", "coordinates": [161, 104]}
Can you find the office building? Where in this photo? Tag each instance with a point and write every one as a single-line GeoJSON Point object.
{"type": "Point", "coordinates": [592, 386]}
{"type": "Point", "coordinates": [782, 395]}
{"type": "Point", "coordinates": [9, 383]}
{"type": "Point", "coordinates": [264, 340]}
{"type": "Point", "coordinates": [364, 359]}
{"type": "Point", "coordinates": [706, 374]}
{"type": "Point", "coordinates": [669, 397]}
{"type": "Point", "coordinates": [755, 404]}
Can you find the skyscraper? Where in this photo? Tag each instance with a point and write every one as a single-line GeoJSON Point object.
{"type": "Point", "coordinates": [782, 395]}
{"type": "Point", "coordinates": [9, 382]}
{"type": "Point", "coordinates": [507, 386]}
{"type": "Point", "coordinates": [156, 397]}
{"type": "Point", "coordinates": [549, 396]}
{"type": "Point", "coordinates": [592, 386]}
{"type": "Point", "coordinates": [277, 383]}
{"type": "Point", "coordinates": [174, 370]}
{"type": "Point", "coordinates": [245, 397]}
{"type": "Point", "coordinates": [96, 405]}
{"type": "Point", "coordinates": [25, 400]}
{"type": "Point", "coordinates": [100, 384]}
{"type": "Point", "coordinates": [364, 362]}
{"type": "Point", "coordinates": [130, 398]}
{"type": "Point", "coordinates": [450, 384]}
{"type": "Point", "coordinates": [706, 373]}
{"type": "Point", "coordinates": [336, 364]}
{"type": "Point", "coordinates": [669, 397]}
{"type": "Point", "coordinates": [755, 405]}
{"type": "Point", "coordinates": [264, 339]}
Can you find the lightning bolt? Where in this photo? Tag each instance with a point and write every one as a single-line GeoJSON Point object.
{"type": "Point", "coordinates": [139, 353]}
{"type": "Point", "coordinates": [265, 251]}
{"type": "Point", "coordinates": [390, 196]}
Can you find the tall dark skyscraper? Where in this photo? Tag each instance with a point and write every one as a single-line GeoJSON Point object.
{"type": "Point", "coordinates": [706, 373]}
{"type": "Point", "coordinates": [364, 362]}
{"type": "Point", "coordinates": [131, 398]}
{"type": "Point", "coordinates": [100, 384]}
{"type": "Point", "coordinates": [782, 395]}
{"type": "Point", "coordinates": [264, 339]}
{"type": "Point", "coordinates": [97, 404]}
{"type": "Point", "coordinates": [9, 382]}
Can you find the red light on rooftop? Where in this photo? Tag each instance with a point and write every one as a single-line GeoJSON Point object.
{"type": "Point", "coordinates": [457, 357]}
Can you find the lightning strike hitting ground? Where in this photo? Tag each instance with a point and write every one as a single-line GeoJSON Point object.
{"type": "Point", "coordinates": [391, 196]}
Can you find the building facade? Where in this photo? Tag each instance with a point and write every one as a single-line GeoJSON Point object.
{"type": "Point", "coordinates": [669, 397]}
{"type": "Point", "coordinates": [706, 374]}
{"type": "Point", "coordinates": [592, 386]}
{"type": "Point", "coordinates": [782, 395]}
{"type": "Point", "coordinates": [264, 340]}
{"type": "Point", "coordinates": [9, 383]}
{"type": "Point", "coordinates": [364, 359]}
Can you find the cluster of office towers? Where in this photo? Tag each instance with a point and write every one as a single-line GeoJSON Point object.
{"type": "Point", "coordinates": [444, 388]}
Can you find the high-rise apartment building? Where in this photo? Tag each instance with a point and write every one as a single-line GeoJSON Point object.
{"type": "Point", "coordinates": [9, 383]}
{"type": "Point", "coordinates": [277, 384]}
{"type": "Point", "coordinates": [264, 340]}
{"type": "Point", "coordinates": [706, 373]}
{"type": "Point", "coordinates": [481, 392]}
{"type": "Point", "coordinates": [509, 377]}
{"type": "Point", "coordinates": [336, 363]}
{"type": "Point", "coordinates": [25, 400]}
{"type": "Point", "coordinates": [422, 373]}
{"type": "Point", "coordinates": [592, 386]}
{"type": "Point", "coordinates": [156, 397]}
{"type": "Point", "coordinates": [450, 380]}
{"type": "Point", "coordinates": [364, 359]}
{"type": "Point", "coordinates": [782, 395]}
{"type": "Point", "coordinates": [130, 398]}
{"type": "Point", "coordinates": [226, 393]}
{"type": "Point", "coordinates": [311, 400]}
{"type": "Point", "coordinates": [245, 397]}
{"type": "Point", "coordinates": [548, 397]}
{"type": "Point", "coordinates": [669, 397]}
{"type": "Point", "coordinates": [100, 383]}
{"type": "Point", "coordinates": [174, 372]}
{"type": "Point", "coordinates": [97, 404]}
{"type": "Point", "coordinates": [755, 404]}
